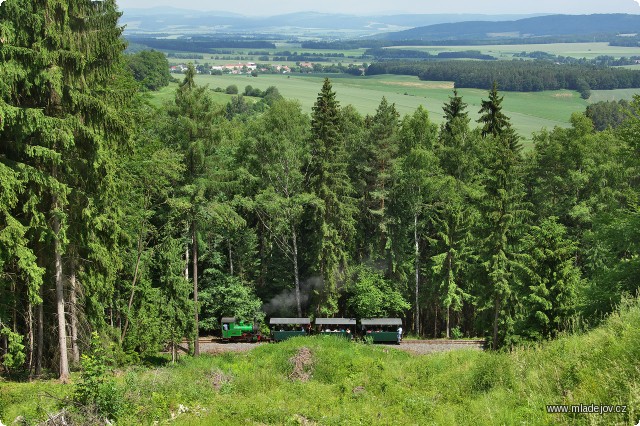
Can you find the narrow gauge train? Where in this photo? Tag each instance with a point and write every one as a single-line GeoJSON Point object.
{"type": "Point", "coordinates": [379, 330]}
{"type": "Point", "coordinates": [234, 330]}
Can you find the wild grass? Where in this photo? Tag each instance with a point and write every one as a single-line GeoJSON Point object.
{"type": "Point", "coordinates": [352, 384]}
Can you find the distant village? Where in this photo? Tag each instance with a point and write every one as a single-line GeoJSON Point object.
{"type": "Point", "coordinates": [241, 68]}
{"type": "Point", "coordinates": [252, 68]}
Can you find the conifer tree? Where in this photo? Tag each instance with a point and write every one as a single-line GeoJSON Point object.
{"type": "Point", "coordinates": [502, 210]}
{"type": "Point", "coordinates": [59, 112]}
{"type": "Point", "coordinates": [493, 120]}
{"type": "Point", "coordinates": [334, 224]}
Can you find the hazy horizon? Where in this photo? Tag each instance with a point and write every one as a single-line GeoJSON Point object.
{"type": "Point", "coordinates": [382, 7]}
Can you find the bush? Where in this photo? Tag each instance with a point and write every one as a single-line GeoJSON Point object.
{"type": "Point", "coordinates": [97, 396]}
{"type": "Point", "coordinates": [232, 89]}
{"type": "Point", "coordinates": [15, 357]}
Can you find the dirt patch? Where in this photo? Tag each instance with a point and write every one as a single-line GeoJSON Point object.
{"type": "Point", "coordinates": [302, 365]}
{"type": "Point", "coordinates": [421, 84]}
{"type": "Point", "coordinates": [303, 421]}
{"type": "Point", "coordinates": [218, 379]}
{"type": "Point", "coordinates": [562, 95]}
{"type": "Point", "coordinates": [358, 390]}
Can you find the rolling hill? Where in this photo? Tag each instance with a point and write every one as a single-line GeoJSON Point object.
{"type": "Point", "coordinates": [539, 26]}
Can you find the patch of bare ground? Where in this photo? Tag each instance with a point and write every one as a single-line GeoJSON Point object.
{"type": "Point", "coordinates": [302, 365]}
{"type": "Point", "coordinates": [303, 421]}
{"type": "Point", "coordinates": [218, 379]}
{"type": "Point", "coordinates": [562, 95]}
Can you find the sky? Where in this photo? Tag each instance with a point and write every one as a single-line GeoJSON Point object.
{"type": "Point", "coordinates": [369, 7]}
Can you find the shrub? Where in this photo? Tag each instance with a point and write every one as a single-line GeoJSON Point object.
{"type": "Point", "coordinates": [97, 396]}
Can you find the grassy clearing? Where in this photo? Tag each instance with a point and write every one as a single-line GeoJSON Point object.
{"type": "Point", "coordinates": [353, 384]}
{"type": "Point", "coordinates": [506, 51]}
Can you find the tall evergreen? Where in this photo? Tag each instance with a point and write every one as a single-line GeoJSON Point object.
{"type": "Point", "coordinates": [192, 129]}
{"type": "Point", "coordinates": [454, 110]}
{"type": "Point", "coordinates": [503, 210]}
{"type": "Point", "coordinates": [60, 114]}
{"type": "Point", "coordinates": [334, 222]}
{"type": "Point", "coordinates": [493, 120]}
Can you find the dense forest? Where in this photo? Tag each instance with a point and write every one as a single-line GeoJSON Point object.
{"type": "Point", "coordinates": [146, 225]}
{"type": "Point", "coordinates": [516, 75]}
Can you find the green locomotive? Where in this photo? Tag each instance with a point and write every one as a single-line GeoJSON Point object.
{"type": "Point", "coordinates": [234, 330]}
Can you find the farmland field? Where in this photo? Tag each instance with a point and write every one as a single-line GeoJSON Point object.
{"type": "Point", "coordinates": [506, 51]}
{"type": "Point", "coordinates": [529, 112]}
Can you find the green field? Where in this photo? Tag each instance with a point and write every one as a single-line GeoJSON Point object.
{"type": "Point", "coordinates": [612, 95]}
{"type": "Point", "coordinates": [529, 112]}
{"type": "Point", "coordinates": [506, 51]}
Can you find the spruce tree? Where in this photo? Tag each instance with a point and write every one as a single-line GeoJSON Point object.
{"type": "Point", "coordinates": [493, 120]}
{"type": "Point", "coordinates": [334, 222]}
{"type": "Point", "coordinates": [61, 111]}
{"type": "Point", "coordinates": [503, 211]}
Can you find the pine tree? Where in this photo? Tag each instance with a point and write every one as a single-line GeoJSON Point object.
{"type": "Point", "coordinates": [192, 130]}
{"type": "Point", "coordinates": [60, 112]}
{"type": "Point", "coordinates": [493, 120]}
{"type": "Point", "coordinates": [334, 224]}
{"type": "Point", "coordinates": [454, 110]}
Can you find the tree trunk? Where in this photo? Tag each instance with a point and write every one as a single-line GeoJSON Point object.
{"type": "Point", "coordinates": [496, 316]}
{"type": "Point", "coordinates": [230, 258]}
{"type": "Point", "coordinates": [448, 321]}
{"type": "Point", "coordinates": [296, 276]}
{"type": "Point", "coordinates": [435, 323]}
{"type": "Point", "coordinates": [39, 334]}
{"type": "Point", "coordinates": [133, 286]}
{"type": "Point", "coordinates": [74, 313]}
{"type": "Point", "coordinates": [186, 262]}
{"type": "Point", "coordinates": [449, 268]}
{"type": "Point", "coordinates": [62, 330]}
{"type": "Point", "coordinates": [31, 335]}
{"type": "Point", "coordinates": [417, 267]}
{"type": "Point", "coordinates": [196, 345]}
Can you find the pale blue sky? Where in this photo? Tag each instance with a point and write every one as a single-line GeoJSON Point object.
{"type": "Point", "coordinates": [366, 7]}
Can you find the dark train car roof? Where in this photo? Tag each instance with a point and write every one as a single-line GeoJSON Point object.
{"type": "Point", "coordinates": [335, 321]}
{"type": "Point", "coordinates": [282, 321]}
{"type": "Point", "coordinates": [228, 319]}
{"type": "Point", "coordinates": [381, 321]}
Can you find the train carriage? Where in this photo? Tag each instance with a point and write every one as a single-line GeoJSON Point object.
{"type": "Point", "coordinates": [382, 330]}
{"type": "Point", "coordinates": [286, 328]}
{"type": "Point", "coordinates": [344, 327]}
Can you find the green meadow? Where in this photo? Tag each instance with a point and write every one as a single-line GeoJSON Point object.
{"type": "Point", "coordinates": [506, 51]}
{"type": "Point", "coordinates": [529, 112]}
{"type": "Point", "coordinates": [324, 380]}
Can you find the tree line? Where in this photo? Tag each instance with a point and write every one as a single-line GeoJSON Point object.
{"type": "Point", "coordinates": [148, 224]}
{"type": "Point", "coordinates": [516, 75]}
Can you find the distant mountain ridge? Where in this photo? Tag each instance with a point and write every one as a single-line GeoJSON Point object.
{"type": "Point", "coordinates": [174, 20]}
{"type": "Point", "coordinates": [540, 26]}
